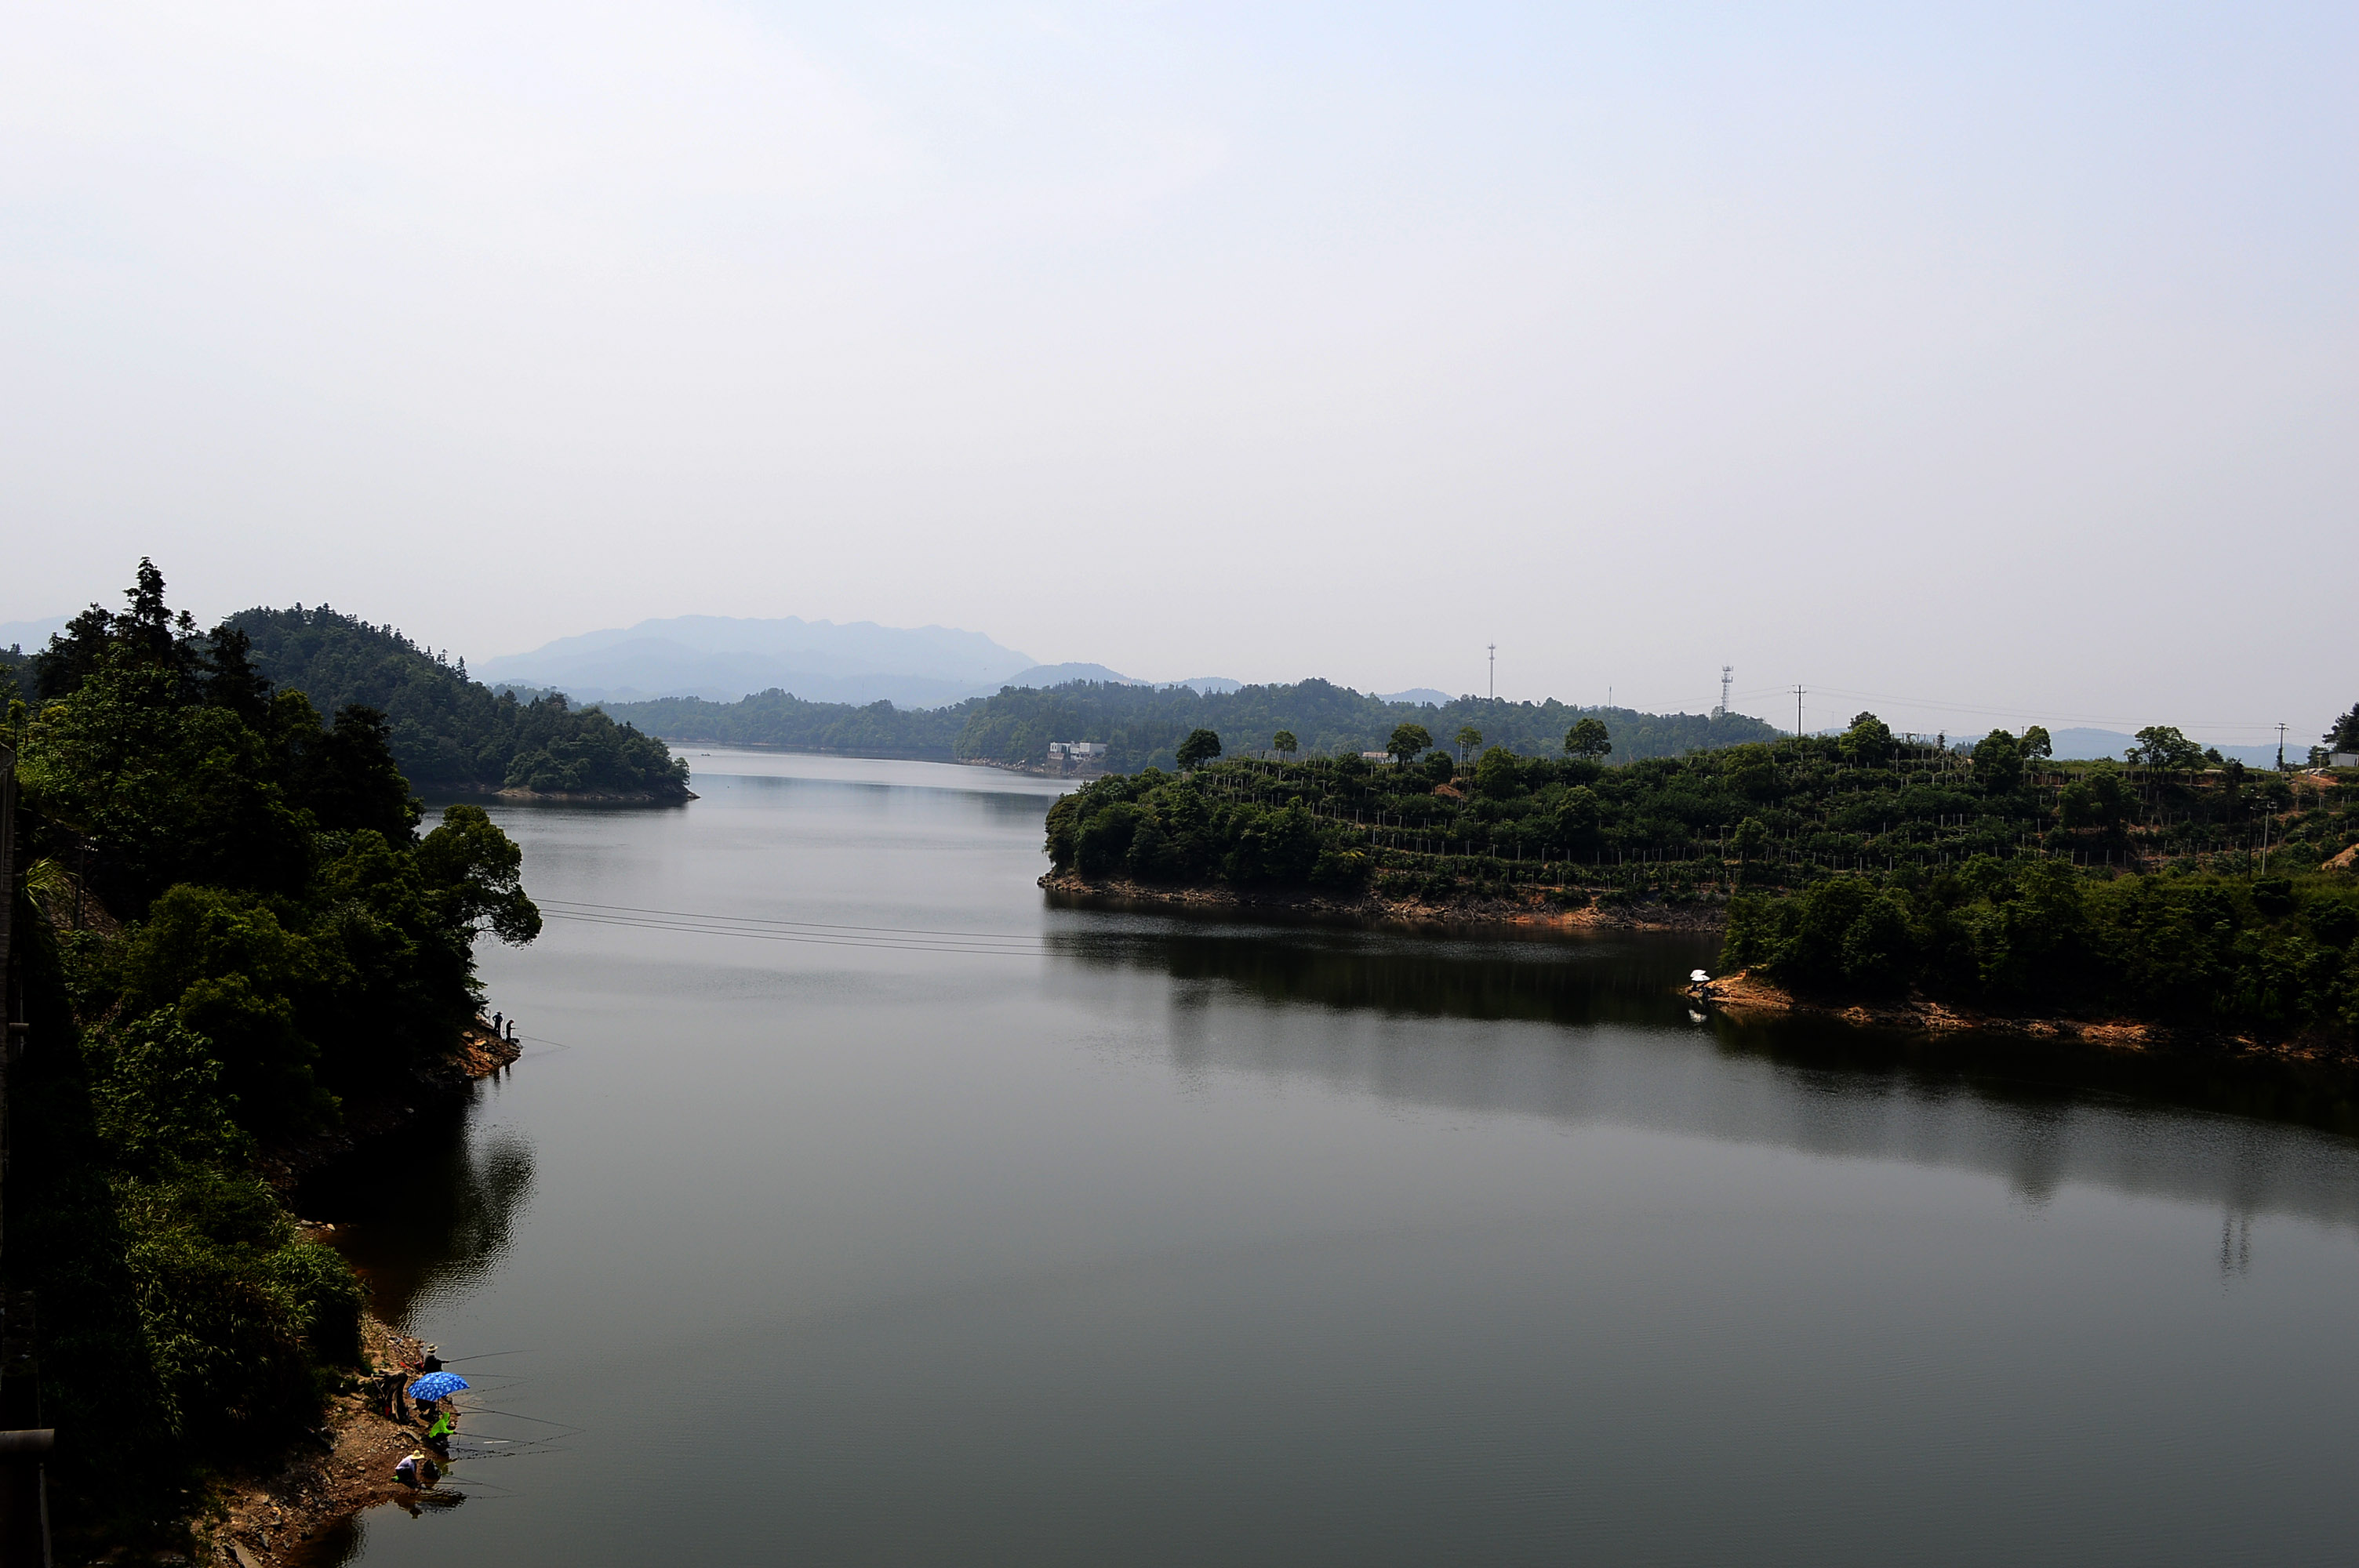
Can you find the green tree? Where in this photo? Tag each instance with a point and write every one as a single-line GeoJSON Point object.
{"type": "Point", "coordinates": [1499, 774]}
{"type": "Point", "coordinates": [1200, 747]}
{"type": "Point", "coordinates": [2098, 800]}
{"type": "Point", "coordinates": [1284, 744]}
{"type": "Point", "coordinates": [1407, 740]}
{"type": "Point", "coordinates": [1588, 739]}
{"type": "Point", "coordinates": [2161, 746]}
{"type": "Point", "coordinates": [2344, 735]}
{"type": "Point", "coordinates": [347, 779]}
{"type": "Point", "coordinates": [1999, 763]}
{"type": "Point", "coordinates": [478, 871]}
{"type": "Point", "coordinates": [1468, 738]}
{"type": "Point", "coordinates": [1750, 835]}
{"type": "Point", "coordinates": [2036, 743]}
{"type": "Point", "coordinates": [1869, 743]}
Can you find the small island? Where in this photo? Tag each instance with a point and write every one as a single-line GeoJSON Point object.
{"type": "Point", "coordinates": [1861, 869]}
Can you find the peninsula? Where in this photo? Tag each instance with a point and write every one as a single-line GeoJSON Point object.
{"type": "Point", "coordinates": [1863, 868]}
{"type": "Point", "coordinates": [232, 953]}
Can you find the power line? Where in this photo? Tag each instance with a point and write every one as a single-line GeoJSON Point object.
{"type": "Point", "coordinates": [801, 925]}
{"type": "Point", "coordinates": [2217, 727]}
{"type": "Point", "coordinates": [692, 928]}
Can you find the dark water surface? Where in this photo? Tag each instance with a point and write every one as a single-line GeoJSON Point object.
{"type": "Point", "coordinates": [1001, 1232]}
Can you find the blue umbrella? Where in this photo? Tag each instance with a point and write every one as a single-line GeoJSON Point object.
{"type": "Point", "coordinates": [437, 1385]}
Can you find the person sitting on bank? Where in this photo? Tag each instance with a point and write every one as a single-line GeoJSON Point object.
{"type": "Point", "coordinates": [439, 1430]}
{"type": "Point", "coordinates": [418, 1470]}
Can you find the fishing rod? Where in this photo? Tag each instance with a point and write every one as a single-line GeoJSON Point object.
{"type": "Point", "coordinates": [482, 1356]}
{"type": "Point", "coordinates": [519, 1415]}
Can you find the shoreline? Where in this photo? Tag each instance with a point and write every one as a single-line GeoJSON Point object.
{"type": "Point", "coordinates": [1532, 914]}
{"type": "Point", "coordinates": [277, 1517]}
{"type": "Point", "coordinates": [479, 1055]}
{"type": "Point", "coordinates": [593, 797]}
{"type": "Point", "coordinates": [1742, 995]}
{"type": "Point", "coordinates": [463, 794]}
{"type": "Point", "coordinates": [1745, 996]}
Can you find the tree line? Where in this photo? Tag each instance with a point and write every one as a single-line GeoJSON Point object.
{"type": "Point", "coordinates": [228, 924]}
{"type": "Point", "coordinates": [1143, 726]}
{"type": "Point", "coordinates": [450, 733]}
{"type": "Point", "coordinates": [1856, 861]}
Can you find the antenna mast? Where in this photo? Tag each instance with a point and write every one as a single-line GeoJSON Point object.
{"type": "Point", "coordinates": [1728, 673]}
{"type": "Point", "coordinates": [1797, 713]}
{"type": "Point", "coordinates": [1494, 672]}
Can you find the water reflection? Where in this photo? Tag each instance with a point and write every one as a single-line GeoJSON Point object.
{"type": "Point", "coordinates": [429, 1209]}
{"type": "Point", "coordinates": [870, 797]}
{"type": "Point", "coordinates": [1164, 1240]}
{"type": "Point", "coordinates": [1574, 983]}
{"type": "Point", "coordinates": [1618, 1044]}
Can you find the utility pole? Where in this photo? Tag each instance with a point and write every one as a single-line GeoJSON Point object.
{"type": "Point", "coordinates": [1797, 713]}
{"type": "Point", "coordinates": [2281, 729]}
{"type": "Point", "coordinates": [1495, 676]}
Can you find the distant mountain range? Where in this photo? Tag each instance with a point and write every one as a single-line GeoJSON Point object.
{"type": "Point", "coordinates": [2086, 745]}
{"type": "Point", "coordinates": [721, 659]}
{"type": "Point", "coordinates": [32, 636]}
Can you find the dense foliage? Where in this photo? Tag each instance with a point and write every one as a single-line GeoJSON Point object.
{"type": "Point", "coordinates": [1144, 726]}
{"type": "Point", "coordinates": [1857, 862]}
{"type": "Point", "coordinates": [2266, 952]}
{"type": "Point", "coordinates": [228, 925]}
{"type": "Point", "coordinates": [450, 733]}
{"type": "Point", "coordinates": [775, 719]}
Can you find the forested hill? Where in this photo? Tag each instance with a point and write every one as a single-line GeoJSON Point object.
{"type": "Point", "coordinates": [778, 718]}
{"type": "Point", "coordinates": [229, 939]}
{"type": "Point", "coordinates": [2170, 888]}
{"type": "Point", "coordinates": [449, 732]}
{"type": "Point", "coordinates": [1143, 726]}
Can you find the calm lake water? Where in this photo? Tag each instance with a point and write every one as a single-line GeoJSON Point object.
{"type": "Point", "coordinates": [931, 1223]}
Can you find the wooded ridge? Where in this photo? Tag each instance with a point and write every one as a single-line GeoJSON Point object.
{"type": "Point", "coordinates": [1143, 726]}
{"type": "Point", "coordinates": [1858, 862]}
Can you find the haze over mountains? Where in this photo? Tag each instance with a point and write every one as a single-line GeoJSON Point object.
{"type": "Point", "coordinates": [721, 658]}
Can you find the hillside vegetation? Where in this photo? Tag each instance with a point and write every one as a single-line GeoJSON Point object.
{"type": "Point", "coordinates": [452, 734]}
{"type": "Point", "coordinates": [1142, 727]}
{"type": "Point", "coordinates": [227, 927]}
{"type": "Point", "coordinates": [1858, 863]}
{"type": "Point", "coordinates": [788, 722]}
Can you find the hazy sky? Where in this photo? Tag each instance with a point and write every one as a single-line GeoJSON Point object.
{"type": "Point", "coordinates": [1996, 356]}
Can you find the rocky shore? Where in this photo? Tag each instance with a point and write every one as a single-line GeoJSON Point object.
{"type": "Point", "coordinates": [1746, 995]}
{"type": "Point", "coordinates": [279, 1516]}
